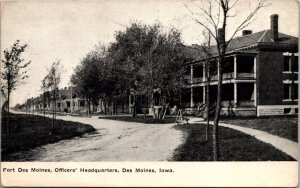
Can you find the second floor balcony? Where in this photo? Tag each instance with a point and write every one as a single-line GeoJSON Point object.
{"type": "Point", "coordinates": [236, 67]}
{"type": "Point", "coordinates": [226, 76]}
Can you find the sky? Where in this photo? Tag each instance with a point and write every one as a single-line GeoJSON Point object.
{"type": "Point", "coordinates": [69, 29]}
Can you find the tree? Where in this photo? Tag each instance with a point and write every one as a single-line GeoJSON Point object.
{"type": "Point", "coordinates": [215, 22]}
{"type": "Point", "coordinates": [14, 71]}
{"type": "Point", "coordinates": [206, 51]}
{"type": "Point", "coordinates": [51, 82]}
{"type": "Point", "coordinates": [44, 89]}
{"type": "Point", "coordinates": [149, 60]}
{"type": "Point", "coordinates": [164, 68]}
{"type": "Point", "coordinates": [92, 76]}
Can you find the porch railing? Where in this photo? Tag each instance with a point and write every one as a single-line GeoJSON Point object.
{"type": "Point", "coordinates": [187, 79]}
{"type": "Point", "coordinates": [198, 80]}
{"type": "Point", "coordinates": [246, 103]}
{"type": "Point", "coordinates": [245, 75]}
{"type": "Point", "coordinates": [226, 76]}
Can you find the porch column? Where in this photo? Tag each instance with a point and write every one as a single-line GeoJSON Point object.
{"type": "Point", "coordinates": [192, 92]}
{"type": "Point", "coordinates": [204, 95]}
{"type": "Point", "coordinates": [255, 95]}
{"type": "Point", "coordinates": [234, 67]}
{"type": "Point", "coordinates": [254, 67]}
{"type": "Point", "coordinates": [192, 73]}
{"type": "Point", "coordinates": [204, 73]}
{"type": "Point", "coordinates": [218, 72]}
{"type": "Point", "coordinates": [235, 95]}
{"type": "Point", "coordinates": [192, 98]}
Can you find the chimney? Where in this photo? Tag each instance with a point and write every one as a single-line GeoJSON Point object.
{"type": "Point", "coordinates": [274, 27]}
{"type": "Point", "coordinates": [247, 32]}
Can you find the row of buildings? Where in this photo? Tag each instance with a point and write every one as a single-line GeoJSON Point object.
{"type": "Point", "coordinates": [67, 101]}
{"type": "Point", "coordinates": [260, 78]}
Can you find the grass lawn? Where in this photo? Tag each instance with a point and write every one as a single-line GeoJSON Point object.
{"type": "Point", "coordinates": [141, 119]}
{"type": "Point", "coordinates": [285, 126]}
{"type": "Point", "coordinates": [29, 131]}
{"type": "Point", "coordinates": [234, 146]}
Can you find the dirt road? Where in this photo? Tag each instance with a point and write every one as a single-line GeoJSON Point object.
{"type": "Point", "coordinates": [113, 141]}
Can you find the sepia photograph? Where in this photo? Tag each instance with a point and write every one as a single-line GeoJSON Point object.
{"type": "Point", "coordinates": [148, 81]}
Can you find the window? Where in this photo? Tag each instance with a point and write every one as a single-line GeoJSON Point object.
{"type": "Point", "coordinates": [286, 63]}
{"type": "Point", "coordinates": [295, 66]}
{"type": "Point", "coordinates": [287, 91]}
{"type": "Point", "coordinates": [290, 93]}
{"type": "Point", "coordinates": [68, 104]}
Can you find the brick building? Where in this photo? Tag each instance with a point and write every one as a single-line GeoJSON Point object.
{"type": "Point", "coordinates": [260, 74]}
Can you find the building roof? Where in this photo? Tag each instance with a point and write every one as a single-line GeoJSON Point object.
{"type": "Point", "coordinates": [248, 42]}
{"type": "Point", "coordinates": [65, 93]}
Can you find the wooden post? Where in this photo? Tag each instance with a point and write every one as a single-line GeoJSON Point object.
{"type": "Point", "coordinates": [192, 98]}
{"type": "Point", "coordinates": [235, 101]}
{"type": "Point", "coordinates": [234, 67]}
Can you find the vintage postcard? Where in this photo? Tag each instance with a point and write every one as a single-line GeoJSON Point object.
{"type": "Point", "coordinates": [149, 93]}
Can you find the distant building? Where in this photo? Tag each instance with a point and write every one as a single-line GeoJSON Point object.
{"type": "Point", "coordinates": [260, 76]}
{"type": "Point", "coordinates": [68, 100]}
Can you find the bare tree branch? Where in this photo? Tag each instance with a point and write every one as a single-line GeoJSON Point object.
{"type": "Point", "coordinates": [247, 21]}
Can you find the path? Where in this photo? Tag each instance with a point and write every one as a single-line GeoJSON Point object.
{"type": "Point", "coordinates": [114, 141]}
{"type": "Point", "coordinates": [127, 141]}
{"type": "Point", "coordinates": [288, 146]}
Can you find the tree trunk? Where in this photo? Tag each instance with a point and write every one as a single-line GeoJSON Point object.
{"type": "Point", "coordinates": [113, 106]}
{"type": "Point", "coordinates": [88, 107]}
{"type": "Point", "coordinates": [152, 104]}
{"type": "Point", "coordinates": [116, 106]}
{"type": "Point", "coordinates": [8, 115]}
{"type": "Point", "coordinates": [104, 102]}
{"type": "Point", "coordinates": [134, 106]}
{"type": "Point", "coordinates": [218, 111]}
{"type": "Point", "coordinates": [53, 116]}
{"type": "Point", "coordinates": [53, 109]}
{"type": "Point", "coordinates": [44, 103]}
{"type": "Point", "coordinates": [123, 102]}
{"type": "Point", "coordinates": [110, 109]}
{"type": "Point", "coordinates": [207, 111]}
